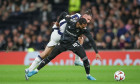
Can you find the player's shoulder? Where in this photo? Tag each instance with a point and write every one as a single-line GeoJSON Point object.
{"type": "Point", "coordinates": [76, 15]}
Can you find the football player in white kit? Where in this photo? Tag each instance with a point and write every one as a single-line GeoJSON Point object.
{"type": "Point", "coordinates": [55, 37]}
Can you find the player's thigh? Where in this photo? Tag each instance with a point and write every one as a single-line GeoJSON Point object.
{"type": "Point", "coordinates": [56, 51]}
{"type": "Point", "coordinates": [55, 38]}
{"type": "Point", "coordinates": [80, 52]}
{"type": "Point", "coordinates": [78, 49]}
{"type": "Point", "coordinates": [62, 27]}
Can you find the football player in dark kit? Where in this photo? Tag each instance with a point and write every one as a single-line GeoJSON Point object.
{"type": "Point", "coordinates": [69, 41]}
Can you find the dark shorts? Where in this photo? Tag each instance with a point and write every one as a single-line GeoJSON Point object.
{"type": "Point", "coordinates": [75, 47]}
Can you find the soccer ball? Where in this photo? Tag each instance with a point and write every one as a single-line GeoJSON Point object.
{"type": "Point", "coordinates": [119, 75]}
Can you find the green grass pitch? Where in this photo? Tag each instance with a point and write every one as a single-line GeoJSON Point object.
{"type": "Point", "coordinates": [10, 74]}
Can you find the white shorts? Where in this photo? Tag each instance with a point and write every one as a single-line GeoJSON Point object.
{"type": "Point", "coordinates": [55, 38]}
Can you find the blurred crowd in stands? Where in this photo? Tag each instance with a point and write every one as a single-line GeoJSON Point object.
{"type": "Point", "coordinates": [25, 25]}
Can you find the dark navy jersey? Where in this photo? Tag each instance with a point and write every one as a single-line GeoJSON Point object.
{"type": "Point", "coordinates": [72, 33]}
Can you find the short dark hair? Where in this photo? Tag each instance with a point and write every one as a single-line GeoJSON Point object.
{"type": "Point", "coordinates": [88, 12]}
{"type": "Point", "coordinates": [82, 21]}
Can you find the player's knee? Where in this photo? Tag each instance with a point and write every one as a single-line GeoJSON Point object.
{"type": "Point", "coordinates": [44, 54]}
{"type": "Point", "coordinates": [85, 58]}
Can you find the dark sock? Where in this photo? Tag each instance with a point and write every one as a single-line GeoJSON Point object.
{"type": "Point", "coordinates": [43, 63]}
{"type": "Point", "coordinates": [87, 66]}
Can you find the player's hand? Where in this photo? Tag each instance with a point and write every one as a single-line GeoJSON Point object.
{"type": "Point", "coordinates": [98, 57]}
{"type": "Point", "coordinates": [81, 40]}
{"type": "Point", "coordinates": [57, 24]}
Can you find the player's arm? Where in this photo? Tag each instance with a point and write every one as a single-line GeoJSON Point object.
{"type": "Point", "coordinates": [62, 16]}
{"type": "Point", "coordinates": [81, 39]}
{"type": "Point", "coordinates": [76, 16]}
{"type": "Point", "coordinates": [91, 40]}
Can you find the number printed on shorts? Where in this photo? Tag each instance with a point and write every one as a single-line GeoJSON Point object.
{"type": "Point", "coordinates": [75, 45]}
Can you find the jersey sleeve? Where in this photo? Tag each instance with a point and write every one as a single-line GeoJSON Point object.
{"type": "Point", "coordinates": [76, 16]}
{"type": "Point", "coordinates": [62, 16]}
{"type": "Point", "coordinates": [91, 40]}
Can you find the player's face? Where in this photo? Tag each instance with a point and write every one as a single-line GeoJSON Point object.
{"type": "Point", "coordinates": [82, 26]}
{"type": "Point", "coordinates": [87, 17]}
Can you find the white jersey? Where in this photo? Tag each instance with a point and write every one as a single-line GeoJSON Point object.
{"type": "Point", "coordinates": [56, 34]}
{"type": "Point", "coordinates": [63, 22]}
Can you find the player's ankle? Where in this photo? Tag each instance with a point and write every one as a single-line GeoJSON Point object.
{"type": "Point", "coordinates": [36, 70]}
{"type": "Point", "coordinates": [88, 74]}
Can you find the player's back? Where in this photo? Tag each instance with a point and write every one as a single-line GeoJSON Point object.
{"type": "Point", "coordinates": [63, 22]}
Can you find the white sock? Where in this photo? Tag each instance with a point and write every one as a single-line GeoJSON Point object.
{"type": "Point", "coordinates": [77, 58]}
{"type": "Point", "coordinates": [88, 74]}
{"type": "Point", "coordinates": [35, 63]}
{"type": "Point", "coordinates": [36, 70]}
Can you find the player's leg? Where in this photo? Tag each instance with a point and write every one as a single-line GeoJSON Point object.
{"type": "Point", "coordinates": [81, 53]}
{"type": "Point", "coordinates": [40, 57]}
{"type": "Point", "coordinates": [56, 51]}
{"type": "Point", "coordinates": [78, 61]}
{"type": "Point", "coordinates": [79, 50]}
{"type": "Point", "coordinates": [83, 56]}
{"type": "Point", "coordinates": [55, 37]}
{"type": "Point", "coordinates": [37, 60]}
